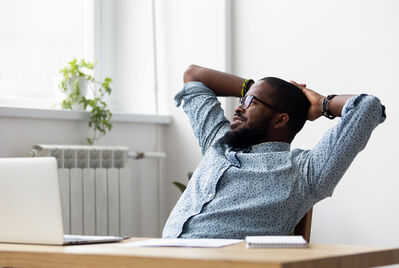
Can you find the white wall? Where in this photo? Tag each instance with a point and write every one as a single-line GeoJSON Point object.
{"type": "Point", "coordinates": [335, 47]}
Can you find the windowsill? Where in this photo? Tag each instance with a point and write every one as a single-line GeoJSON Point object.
{"type": "Point", "coordinates": [77, 115]}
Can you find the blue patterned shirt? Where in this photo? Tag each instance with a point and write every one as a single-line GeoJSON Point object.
{"type": "Point", "coordinates": [267, 188]}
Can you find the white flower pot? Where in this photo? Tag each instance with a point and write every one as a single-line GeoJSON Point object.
{"type": "Point", "coordinates": [83, 87]}
{"type": "Point", "coordinates": [83, 91]}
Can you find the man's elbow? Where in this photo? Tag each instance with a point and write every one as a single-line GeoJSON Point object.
{"type": "Point", "coordinates": [190, 74]}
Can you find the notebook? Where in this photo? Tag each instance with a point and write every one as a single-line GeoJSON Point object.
{"type": "Point", "coordinates": [291, 241]}
{"type": "Point", "coordinates": [30, 204]}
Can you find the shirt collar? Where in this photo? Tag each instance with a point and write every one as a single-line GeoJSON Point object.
{"type": "Point", "coordinates": [266, 147]}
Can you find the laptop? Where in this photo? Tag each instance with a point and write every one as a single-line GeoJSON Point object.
{"type": "Point", "coordinates": [30, 204]}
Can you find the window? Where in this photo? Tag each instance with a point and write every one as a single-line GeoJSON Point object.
{"type": "Point", "coordinates": [37, 39]}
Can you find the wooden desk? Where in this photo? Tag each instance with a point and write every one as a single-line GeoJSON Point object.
{"type": "Point", "coordinates": [110, 255]}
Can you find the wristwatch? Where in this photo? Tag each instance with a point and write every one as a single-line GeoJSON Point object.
{"type": "Point", "coordinates": [325, 106]}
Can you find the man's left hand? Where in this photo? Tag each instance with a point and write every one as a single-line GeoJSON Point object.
{"type": "Point", "coordinates": [315, 99]}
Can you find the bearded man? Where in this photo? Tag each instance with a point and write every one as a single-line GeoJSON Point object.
{"type": "Point", "coordinates": [249, 181]}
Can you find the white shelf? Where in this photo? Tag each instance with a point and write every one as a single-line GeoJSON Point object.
{"type": "Point", "coordinates": [75, 115]}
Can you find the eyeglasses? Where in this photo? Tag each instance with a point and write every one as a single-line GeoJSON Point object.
{"type": "Point", "coordinates": [246, 101]}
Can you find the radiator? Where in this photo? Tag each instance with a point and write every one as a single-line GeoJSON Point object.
{"type": "Point", "coordinates": [95, 187]}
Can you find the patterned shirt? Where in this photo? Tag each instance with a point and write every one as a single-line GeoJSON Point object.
{"type": "Point", "coordinates": [267, 188]}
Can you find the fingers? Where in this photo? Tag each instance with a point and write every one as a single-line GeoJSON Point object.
{"type": "Point", "coordinates": [297, 84]}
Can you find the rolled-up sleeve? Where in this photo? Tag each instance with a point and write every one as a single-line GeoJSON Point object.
{"type": "Point", "coordinates": [325, 164]}
{"type": "Point", "coordinates": [204, 112]}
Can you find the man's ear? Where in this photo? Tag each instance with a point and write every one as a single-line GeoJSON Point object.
{"type": "Point", "coordinates": [281, 120]}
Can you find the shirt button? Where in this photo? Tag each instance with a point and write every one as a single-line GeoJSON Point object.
{"type": "Point", "coordinates": [210, 195]}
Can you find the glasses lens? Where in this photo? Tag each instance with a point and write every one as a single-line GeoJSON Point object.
{"type": "Point", "coordinates": [245, 101]}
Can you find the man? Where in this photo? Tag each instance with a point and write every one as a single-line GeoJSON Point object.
{"type": "Point", "coordinates": [249, 182]}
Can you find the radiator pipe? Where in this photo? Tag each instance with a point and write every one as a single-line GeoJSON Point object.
{"type": "Point", "coordinates": [141, 155]}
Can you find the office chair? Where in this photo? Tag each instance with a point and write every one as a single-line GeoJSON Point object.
{"type": "Point", "coordinates": [303, 227]}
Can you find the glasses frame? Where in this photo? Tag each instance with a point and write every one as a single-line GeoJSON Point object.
{"type": "Point", "coordinates": [245, 103]}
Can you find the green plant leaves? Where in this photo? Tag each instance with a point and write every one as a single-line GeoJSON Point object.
{"type": "Point", "coordinates": [100, 115]}
{"type": "Point", "coordinates": [180, 185]}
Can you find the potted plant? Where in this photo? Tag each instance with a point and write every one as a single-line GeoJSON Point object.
{"type": "Point", "coordinates": [77, 78]}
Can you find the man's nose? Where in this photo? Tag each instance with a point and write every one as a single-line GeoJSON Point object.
{"type": "Point", "coordinates": [239, 109]}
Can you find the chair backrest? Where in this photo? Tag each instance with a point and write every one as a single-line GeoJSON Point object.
{"type": "Point", "coordinates": [303, 227]}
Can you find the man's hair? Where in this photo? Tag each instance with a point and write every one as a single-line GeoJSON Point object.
{"type": "Point", "coordinates": [290, 99]}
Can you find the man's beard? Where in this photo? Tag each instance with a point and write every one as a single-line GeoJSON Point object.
{"type": "Point", "coordinates": [246, 137]}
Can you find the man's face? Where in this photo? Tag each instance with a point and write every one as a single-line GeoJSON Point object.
{"type": "Point", "coordinates": [250, 126]}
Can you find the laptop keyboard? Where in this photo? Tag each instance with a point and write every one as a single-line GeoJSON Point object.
{"type": "Point", "coordinates": [70, 238]}
{"type": "Point", "coordinates": [75, 239]}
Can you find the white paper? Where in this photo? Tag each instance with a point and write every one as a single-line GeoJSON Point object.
{"type": "Point", "coordinates": [180, 242]}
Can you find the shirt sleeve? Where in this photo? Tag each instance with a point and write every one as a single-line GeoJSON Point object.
{"type": "Point", "coordinates": [204, 112]}
{"type": "Point", "coordinates": [325, 164]}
